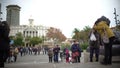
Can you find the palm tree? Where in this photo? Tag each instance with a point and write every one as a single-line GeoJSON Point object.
{"type": "Point", "coordinates": [76, 34]}
{"type": "Point", "coordinates": [85, 33]}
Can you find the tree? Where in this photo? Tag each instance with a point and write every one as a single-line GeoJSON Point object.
{"type": "Point", "coordinates": [76, 33]}
{"type": "Point", "coordinates": [85, 33]}
{"type": "Point", "coordinates": [18, 40]}
{"type": "Point", "coordinates": [55, 33]}
{"type": "Point", "coordinates": [82, 36]}
{"type": "Point", "coordinates": [35, 40]}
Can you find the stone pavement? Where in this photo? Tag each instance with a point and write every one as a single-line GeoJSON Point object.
{"type": "Point", "coordinates": [41, 61]}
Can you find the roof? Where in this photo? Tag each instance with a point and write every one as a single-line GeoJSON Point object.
{"type": "Point", "coordinates": [30, 29]}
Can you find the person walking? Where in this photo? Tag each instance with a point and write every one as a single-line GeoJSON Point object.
{"type": "Point", "coordinates": [94, 43]}
{"type": "Point", "coordinates": [102, 26]}
{"type": "Point", "coordinates": [4, 42]}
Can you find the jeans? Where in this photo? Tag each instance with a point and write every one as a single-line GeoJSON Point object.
{"type": "Point", "coordinates": [56, 57]}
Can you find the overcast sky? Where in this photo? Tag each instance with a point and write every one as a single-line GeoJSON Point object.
{"type": "Point", "coordinates": [64, 14]}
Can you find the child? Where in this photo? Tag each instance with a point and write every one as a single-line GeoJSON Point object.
{"type": "Point", "coordinates": [67, 56]}
{"type": "Point", "coordinates": [50, 55]}
{"type": "Point", "coordinates": [61, 55]}
{"type": "Point", "coordinates": [70, 60]}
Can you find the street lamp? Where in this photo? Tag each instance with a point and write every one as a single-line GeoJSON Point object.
{"type": "Point", "coordinates": [0, 12]}
{"type": "Point", "coordinates": [115, 16]}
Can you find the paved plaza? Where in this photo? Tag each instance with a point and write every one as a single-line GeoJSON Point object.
{"type": "Point", "coordinates": [41, 61]}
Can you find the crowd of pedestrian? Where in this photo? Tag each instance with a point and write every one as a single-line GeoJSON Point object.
{"type": "Point", "coordinates": [56, 54]}
{"type": "Point", "coordinates": [22, 51]}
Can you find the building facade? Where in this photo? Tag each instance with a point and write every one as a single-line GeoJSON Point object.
{"type": "Point", "coordinates": [13, 15]}
{"type": "Point", "coordinates": [29, 30]}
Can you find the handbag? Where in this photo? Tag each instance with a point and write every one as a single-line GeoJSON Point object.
{"type": "Point", "coordinates": [75, 54]}
{"type": "Point", "coordinates": [92, 37]}
{"type": "Point", "coordinates": [105, 37]}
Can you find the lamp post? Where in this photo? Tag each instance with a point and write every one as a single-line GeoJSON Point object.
{"type": "Point", "coordinates": [0, 12]}
{"type": "Point", "coordinates": [43, 34]}
{"type": "Point", "coordinates": [116, 20]}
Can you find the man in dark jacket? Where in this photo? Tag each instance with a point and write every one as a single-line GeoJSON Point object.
{"type": "Point", "coordinates": [56, 52]}
{"type": "Point", "coordinates": [4, 42]}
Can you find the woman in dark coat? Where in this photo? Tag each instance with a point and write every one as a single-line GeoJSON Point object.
{"type": "Point", "coordinates": [76, 51]}
{"type": "Point", "coordinates": [4, 42]}
{"type": "Point", "coordinates": [94, 45]}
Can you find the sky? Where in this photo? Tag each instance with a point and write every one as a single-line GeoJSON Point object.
{"type": "Point", "coordinates": [64, 14]}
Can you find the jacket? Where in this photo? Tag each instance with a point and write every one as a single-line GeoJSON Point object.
{"type": "Point", "coordinates": [100, 28]}
{"type": "Point", "coordinates": [75, 48]}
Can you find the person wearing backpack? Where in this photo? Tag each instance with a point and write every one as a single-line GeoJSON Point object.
{"type": "Point", "coordinates": [102, 26]}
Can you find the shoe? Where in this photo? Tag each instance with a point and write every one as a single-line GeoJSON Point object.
{"type": "Point", "coordinates": [103, 63]}
{"type": "Point", "coordinates": [91, 60]}
{"type": "Point", "coordinates": [109, 63]}
{"type": "Point", "coordinates": [96, 60]}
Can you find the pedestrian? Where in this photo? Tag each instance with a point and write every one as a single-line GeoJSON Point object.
{"type": "Point", "coordinates": [11, 53]}
{"type": "Point", "coordinates": [12, 57]}
{"type": "Point", "coordinates": [102, 26]}
{"type": "Point", "coordinates": [94, 44]}
{"type": "Point", "coordinates": [56, 50]}
{"type": "Point", "coordinates": [35, 50]}
{"type": "Point", "coordinates": [76, 51]}
{"type": "Point", "coordinates": [50, 55]}
{"type": "Point", "coordinates": [16, 51]}
{"type": "Point", "coordinates": [43, 50]}
{"type": "Point", "coordinates": [39, 49]}
{"type": "Point", "coordinates": [4, 42]}
{"type": "Point", "coordinates": [67, 55]}
{"type": "Point", "coordinates": [61, 55]}
{"type": "Point", "coordinates": [64, 52]}
{"type": "Point", "coordinates": [30, 50]}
